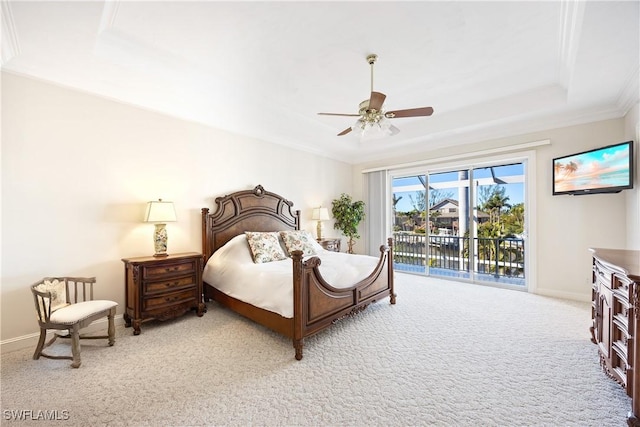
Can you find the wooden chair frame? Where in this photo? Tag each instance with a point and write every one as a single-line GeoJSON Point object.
{"type": "Point", "coordinates": [82, 292]}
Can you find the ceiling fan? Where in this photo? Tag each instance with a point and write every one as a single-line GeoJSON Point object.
{"type": "Point", "coordinates": [372, 118]}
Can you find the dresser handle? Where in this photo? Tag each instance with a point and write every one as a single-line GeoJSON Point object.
{"type": "Point", "coordinates": [170, 269]}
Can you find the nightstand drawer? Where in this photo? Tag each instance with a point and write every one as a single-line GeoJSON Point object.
{"type": "Point", "coordinates": [168, 300]}
{"type": "Point", "coordinates": [169, 285]}
{"type": "Point", "coordinates": [164, 270]}
{"type": "Point", "coordinates": [330, 244]}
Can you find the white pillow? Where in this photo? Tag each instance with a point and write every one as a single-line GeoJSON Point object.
{"type": "Point", "coordinates": [265, 246]}
{"type": "Point", "coordinates": [298, 240]}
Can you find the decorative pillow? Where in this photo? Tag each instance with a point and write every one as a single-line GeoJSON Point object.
{"type": "Point", "coordinates": [265, 247]}
{"type": "Point", "coordinates": [298, 240]}
{"type": "Point", "coordinates": [58, 294]}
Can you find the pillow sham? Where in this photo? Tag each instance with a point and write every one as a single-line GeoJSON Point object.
{"type": "Point", "coordinates": [298, 240]}
{"type": "Point", "coordinates": [265, 246]}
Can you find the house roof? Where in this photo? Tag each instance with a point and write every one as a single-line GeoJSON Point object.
{"type": "Point", "coordinates": [265, 69]}
{"type": "Point", "coordinates": [447, 214]}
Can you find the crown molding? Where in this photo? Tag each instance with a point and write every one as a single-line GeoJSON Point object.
{"type": "Point", "coordinates": [630, 92]}
{"type": "Point", "coordinates": [109, 14]}
{"type": "Point", "coordinates": [10, 43]}
{"type": "Point", "coordinates": [571, 18]}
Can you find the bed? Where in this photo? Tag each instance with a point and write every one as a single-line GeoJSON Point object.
{"type": "Point", "coordinates": [315, 304]}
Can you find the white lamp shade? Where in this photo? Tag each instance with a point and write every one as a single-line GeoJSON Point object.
{"type": "Point", "coordinates": [159, 211]}
{"type": "Point", "coordinates": [320, 214]}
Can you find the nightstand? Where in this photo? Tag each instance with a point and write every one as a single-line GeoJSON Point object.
{"type": "Point", "coordinates": [330, 244]}
{"type": "Point", "coordinates": [162, 287]}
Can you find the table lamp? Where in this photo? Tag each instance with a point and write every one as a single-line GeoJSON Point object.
{"type": "Point", "coordinates": [320, 214]}
{"type": "Point", "coordinates": [160, 212]}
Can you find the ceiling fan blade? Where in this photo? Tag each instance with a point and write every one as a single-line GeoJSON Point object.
{"type": "Point", "coordinates": [339, 114]}
{"type": "Point", "coordinates": [376, 101]}
{"type": "Point", "coordinates": [411, 112]}
{"type": "Point", "coordinates": [344, 132]}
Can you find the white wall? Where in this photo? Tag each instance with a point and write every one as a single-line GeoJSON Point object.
{"type": "Point", "coordinates": [632, 132]}
{"type": "Point", "coordinates": [77, 171]}
{"type": "Point", "coordinates": [566, 225]}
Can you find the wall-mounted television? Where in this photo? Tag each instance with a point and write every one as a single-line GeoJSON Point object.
{"type": "Point", "coordinates": [602, 170]}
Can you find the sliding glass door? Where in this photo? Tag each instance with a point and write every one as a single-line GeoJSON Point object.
{"type": "Point", "coordinates": [466, 223]}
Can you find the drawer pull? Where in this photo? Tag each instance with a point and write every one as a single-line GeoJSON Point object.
{"type": "Point", "coordinates": [171, 299]}
{"type": "Point", "coordinates": [170, 269]}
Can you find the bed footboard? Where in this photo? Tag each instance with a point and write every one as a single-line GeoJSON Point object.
{"type": "Point", "coordinates": [317, 304]}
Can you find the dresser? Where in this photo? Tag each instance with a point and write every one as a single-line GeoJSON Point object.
{"type": "Point", "coordinates": [330, 244]}
{"type": "Point", "coordinates": [615, 313]}
{"type": "Point", "coordinates": [162, 287]}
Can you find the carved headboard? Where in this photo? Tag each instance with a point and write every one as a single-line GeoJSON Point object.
{"type": "Point", "coordinates": [247, 210]}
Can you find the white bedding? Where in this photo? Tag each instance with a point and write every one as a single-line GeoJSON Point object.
{"type": "Point", "coordinates": [270, 285]}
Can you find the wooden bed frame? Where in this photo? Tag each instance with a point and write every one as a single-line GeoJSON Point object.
{"type": "Point", "coordinates": [317, 304]}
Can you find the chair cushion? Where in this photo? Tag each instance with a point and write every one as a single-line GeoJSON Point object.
{"type": "Point", "coordinates": [76, 312]}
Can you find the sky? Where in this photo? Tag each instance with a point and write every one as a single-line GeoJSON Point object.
{"type": "Point", "coordinates": [509, 176]}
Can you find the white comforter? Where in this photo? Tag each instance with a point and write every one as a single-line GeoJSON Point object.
{"type": "Point", "coordinates": [270, 285]}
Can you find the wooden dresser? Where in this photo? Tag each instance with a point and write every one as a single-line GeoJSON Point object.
{"type": "Point", "coordinates": [162, 287]}
{"type": "Point", "coordinates": [615, 312]}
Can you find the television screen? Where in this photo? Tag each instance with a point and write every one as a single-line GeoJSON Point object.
{"type": "Point", "coordinates": [603, 170]}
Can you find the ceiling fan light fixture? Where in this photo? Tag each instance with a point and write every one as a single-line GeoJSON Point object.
{"type": "Point", "coordinates": [373, 129]}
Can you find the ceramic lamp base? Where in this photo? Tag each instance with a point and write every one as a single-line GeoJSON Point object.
{"type": "Point", "coordinates": [319, 230]}
{"type": "Point", "coordinates": [160, 240]}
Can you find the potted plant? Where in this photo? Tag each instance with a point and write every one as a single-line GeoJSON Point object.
{"type": "Point", "coordinates": [348, 215]}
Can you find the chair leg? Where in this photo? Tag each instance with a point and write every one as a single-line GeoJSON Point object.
{"type": "Point", "coordinates": [111, 328]}
{"type": "Point", "coordinates": [75, 346]}
{"type": "Point", "coordinates": [43, 337]}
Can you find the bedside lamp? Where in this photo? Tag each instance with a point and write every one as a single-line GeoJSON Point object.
{"type": "Point", "coordinates": [160, 213]}
{"type": "Point", "coordinates": [320, 214]}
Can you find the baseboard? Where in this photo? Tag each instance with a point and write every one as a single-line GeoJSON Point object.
{"type": "Point", "coordinates": [564, 295]}
{"type": "Point", "coordinates": [31, 340]}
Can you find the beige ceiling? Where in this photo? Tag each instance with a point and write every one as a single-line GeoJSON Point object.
{"type": "Point", "coordinates": [265, 69]}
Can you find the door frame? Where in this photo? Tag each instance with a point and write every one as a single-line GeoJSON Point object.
{"type": "Point", "coordinates": [528, 158]}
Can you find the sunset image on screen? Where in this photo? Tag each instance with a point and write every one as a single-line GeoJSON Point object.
{"type": "Point", "coordinates": [608, 167]}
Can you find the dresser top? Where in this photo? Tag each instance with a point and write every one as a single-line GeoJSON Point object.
{"type": "Point", "coordinates": [169, 257]}
{"type": "Point", "coordinates": [627, 260]}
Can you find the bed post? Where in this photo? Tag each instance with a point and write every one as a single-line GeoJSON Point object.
{"type": "Point", "coordinates": [206, 251]}
{"type": "Point", "coordinates": [392, 294]}
{"type": "Point", "coordinates": [298, 315]}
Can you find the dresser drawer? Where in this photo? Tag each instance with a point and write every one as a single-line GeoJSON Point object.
{"type": "Point", "coordinates": [168, 300]}
{"type": "Point", "coordinates": [163, 270]}
{"type": "Point", "coordinates": [165, 286]}
{"type": "Point", "coordinates": [619, 363]}
{"type": "Point", "coordinates": [602, 275]}
{"type": "Point", "coordinates": [621, 283]}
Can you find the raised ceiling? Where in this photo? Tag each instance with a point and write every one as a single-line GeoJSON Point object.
{"type": "Point", "coordinates": [265, 69]}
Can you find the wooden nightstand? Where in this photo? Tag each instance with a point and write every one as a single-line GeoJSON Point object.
{"type": "Point", "coordinates": [162, 287]}
{"type": "Point", "coordinates": [330, 244]}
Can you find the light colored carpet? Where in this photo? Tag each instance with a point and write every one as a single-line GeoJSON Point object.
{"type": "Point", "coordinates": [446, 354]}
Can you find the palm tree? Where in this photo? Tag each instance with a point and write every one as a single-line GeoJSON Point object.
{"type": "Point", "coordinates": [495, 203]}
